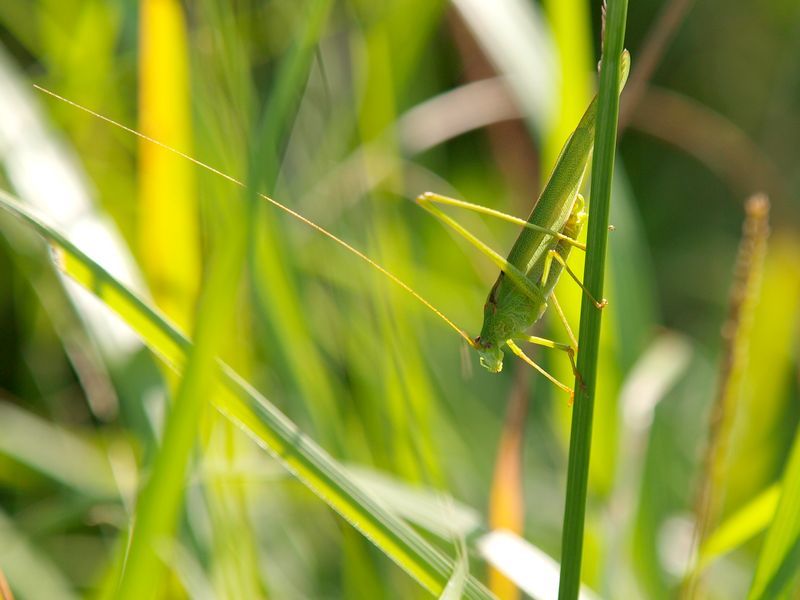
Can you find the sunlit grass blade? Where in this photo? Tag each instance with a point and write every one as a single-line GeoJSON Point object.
{"type": "Point", "coordinates": [743, 525]}
{"type": "Point", "coordinates": [433, 511]}
{"type": "Point", "coordinates": [271, 275]}
{"type": "Point", "coordinates": [67, 458]}
{"type": "Point", "coordinates": [168, 227]}
{"type": "Point", "coordinates": [529, 568]}
{"type": "Point", "coordinates": [167, 196]}
{"type": "Point", "coordinates": [159, 502]}
{"type": "Point", "coordinates": [570, 22]}
{"type": "Point", "coordinates": [454, 590]}
{"type": "Point", "coordinates": [265, 424]}
{"type": "Point", "coordinates": [779, 560]}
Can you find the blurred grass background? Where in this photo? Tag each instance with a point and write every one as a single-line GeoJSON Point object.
{"type": "Point", "coordinates": [346, 111]}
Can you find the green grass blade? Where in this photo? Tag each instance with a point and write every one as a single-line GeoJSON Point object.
{"type": "Point", "coordinates": [779, 560]}
{"type": "Point", "coordinates": [589, 332]}
{"type": "Point", "coordinates": [750, 520]}
{"type": "Point", "coordinates": [168, 206]}
{"type": "Point", "coordinates": [68, 458]}
{"type": "Point", "coordinates": [158, 505]}
{"type": "Point", "coordinates": [262, 421]}
{"type": "Point", "coordinates": [454, 590]}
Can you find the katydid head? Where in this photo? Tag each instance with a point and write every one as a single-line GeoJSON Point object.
{"type": "Point", "coordinates": [491, 355]}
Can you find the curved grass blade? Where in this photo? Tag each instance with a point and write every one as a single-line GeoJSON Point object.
{"type": "Point", "coordinates": [747, 522]}
{"type": "Point", "coordinates": [261, 420]}
{"type": "Point", "coordinates": [779, 560]}
{"type": "Point", "coordinates": [531, 569]}
{"type": "Point", "coordinates": [67, 458]}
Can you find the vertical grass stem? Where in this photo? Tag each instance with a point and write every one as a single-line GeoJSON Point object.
{"type": "Point", "coordinates": [589, 332]}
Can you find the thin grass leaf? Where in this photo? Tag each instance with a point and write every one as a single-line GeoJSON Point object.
{"type": "Point", "coordinates": [66, 458]}
{"type": "Point", "coordinates": [570, 22]}
{"type": "Point", "coordinates": [454, 590]}
{"type": "Point", "coordinates": [168, 227]}
{"type": "Point", "coordinates": [747, 522]}
{"type": "Point", "coordinates": [779, 560]}
{"type": "Point", "coordinates": [191, 575]}
{"type": "Point", "coordinates": [410, 403]}
{"type": "Point", "coordinates": [167, 195]}
{"type": "Point", "coordinates": [159, 503]}
{"type": "Point", "coordinates": [571, 26]}
{"type": "Point", "coordinates": [433, 511]}
{"type": "Point", "coordinates": [589, 332]}
{"type": "Point", "coordinates": [262, 421]}
{"type": "Point", "coordinates": [526, 566]}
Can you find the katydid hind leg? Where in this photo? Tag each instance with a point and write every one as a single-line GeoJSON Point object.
{"type": "Point", "coordinates": [527, 359]}
{"type": "Point", "coordinates": [547, 343]}
{"type": "Point", "coordinates": [433, 197]}
{"type": "Point", "coordinates": [516, 275]}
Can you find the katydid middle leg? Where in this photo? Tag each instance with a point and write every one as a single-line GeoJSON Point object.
{"type": "Point", "coordinates": [554, 255]}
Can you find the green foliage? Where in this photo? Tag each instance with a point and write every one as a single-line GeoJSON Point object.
{"type": "Point", "coordinates": [345, 111]}
{"type": "Point", "coordinates": [253, 413]}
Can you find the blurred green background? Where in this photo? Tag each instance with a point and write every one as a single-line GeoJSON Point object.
{"type": "Point", "coordinates": [345, 111]}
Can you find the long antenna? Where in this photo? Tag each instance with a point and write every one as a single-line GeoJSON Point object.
{"type": "Point", "coordinates": [272, 201]}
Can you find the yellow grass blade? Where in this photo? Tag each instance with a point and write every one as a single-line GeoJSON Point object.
{"type": "Point", "coordinates": [167, 191]}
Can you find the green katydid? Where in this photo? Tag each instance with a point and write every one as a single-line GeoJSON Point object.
{"type": "Point", "coordinates": [527, 277]}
